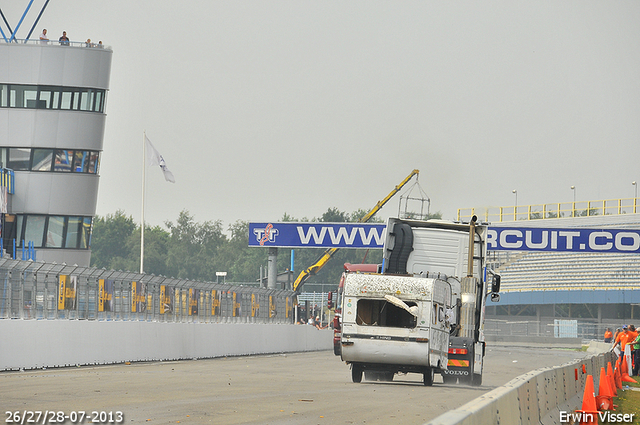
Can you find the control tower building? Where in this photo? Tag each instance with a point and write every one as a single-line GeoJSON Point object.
{"type": "Point", "coordinates": [52, 120]}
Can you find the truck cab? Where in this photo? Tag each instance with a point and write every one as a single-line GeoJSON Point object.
{"type": "Point", "coordinates": [424, 311]}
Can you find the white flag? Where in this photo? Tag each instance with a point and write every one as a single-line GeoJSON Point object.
{"type": "Point", "coordinates": [154, 158]}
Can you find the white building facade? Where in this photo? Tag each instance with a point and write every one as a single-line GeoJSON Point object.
{"type": "Point", "coordinates": [52, 121]}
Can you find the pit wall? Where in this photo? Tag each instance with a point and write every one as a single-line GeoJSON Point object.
{"type": "Point", "coordinates": [30, 344]}
{"type": "Point", "coordinates": [536, 397]}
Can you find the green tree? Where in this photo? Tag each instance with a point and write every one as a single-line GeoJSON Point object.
{"type": "Point", "coordinates": [193, 247]}
{"type": "Point", "coordinates": [156, 242]}
{"type": "Point", "coordinates": [333, 215]}
{"type": "Point", "coordinates": [241, 262]}
{"type": "Point", "coordinates": [109, 240]}
{"type": "Point", "coordinates": [360, 213]}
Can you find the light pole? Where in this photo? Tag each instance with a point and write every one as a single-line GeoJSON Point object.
{"type": "Point", "coordinates": [573, 210]}
{"type": "Point", "coordinates": [515, 208]}
{"type": "Point", "coordinates": [635, 186]}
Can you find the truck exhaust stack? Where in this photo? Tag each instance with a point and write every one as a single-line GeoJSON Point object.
{"type": "Point", "coordinates": [469, 290]}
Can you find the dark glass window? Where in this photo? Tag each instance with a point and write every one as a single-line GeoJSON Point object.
{"type": "Point", "coordinates": [19, 221]}
{"type": "Point", "coordinates": [85, 238]}
{"type": "Point", "coordinates": [45, 99]}
{"type": "Point", "coordinates": [93, 163]}
{"type": "Point", "coordinates": [23, 96]}
{"type": "Point", "coordinates": [81, 162]}
{"type": "Point", "coordinates": [42, 159]}
{"type": "Point", "coordinates": [4, 158]}
{"type": "Point", "coordinates": [51, 97]}
{"type": "Point", "coordinates": [34, 230]}
{"type": "Point", "coordinates": [66, 100]}
{"type": "Point", "coordinates": [73, 231]}
{"type": "Point", "coordinates": [55, 231]}
{"type": "Point", "coordinates": [39, 159]}
{"type": "Point", "coordinates": [99, 97]}
{"type": "Point", "coordinates": [75, 100]}
{"type": "Point", "coordinates": [63, 160]}
{"type": "Point", "coordinates": [87, 99]}
{"type": "Point", "coordinates": [4, 93]}
{"type": "Point", "coordinates": [19, 158]}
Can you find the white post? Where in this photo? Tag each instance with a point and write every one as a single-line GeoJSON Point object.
{"type": "Point", "coordinates": [144, 166]}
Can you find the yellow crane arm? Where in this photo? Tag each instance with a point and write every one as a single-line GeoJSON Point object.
{"type": "Point", "coordinates": [326, 256]}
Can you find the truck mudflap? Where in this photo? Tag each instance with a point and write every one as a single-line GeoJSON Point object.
{"type": "Point", "coordinates": [465, 362]}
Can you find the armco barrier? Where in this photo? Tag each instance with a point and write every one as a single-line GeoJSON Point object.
{"type": "Point", "coordinates": [29, 344]}
{"type": "Point", "coordinates": [536, 397]}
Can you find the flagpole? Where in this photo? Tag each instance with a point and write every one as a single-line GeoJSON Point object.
{"type": "Point", "coordinates": [144, 174]}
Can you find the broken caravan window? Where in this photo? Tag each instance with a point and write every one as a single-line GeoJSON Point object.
{"type": "Point", "coordinates": [372, 312]}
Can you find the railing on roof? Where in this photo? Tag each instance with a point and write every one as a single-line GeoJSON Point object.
{"type": "Point", "coordinates": [56, 43]}
{"type": "Point", "coordinates": [558, 210]}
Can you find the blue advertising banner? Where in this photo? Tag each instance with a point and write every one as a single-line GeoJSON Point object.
{"type": "Point", "coordinates": [317, 235]}
{"type": "Point", "coordinates": [567, 240]}
{"type": "Point", "coordinates": [362, 235]}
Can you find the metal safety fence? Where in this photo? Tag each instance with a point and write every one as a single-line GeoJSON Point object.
{"type": "Point", "coordinates": [30, 290]}
{"type": "Point", "coordinates": [551, 327]}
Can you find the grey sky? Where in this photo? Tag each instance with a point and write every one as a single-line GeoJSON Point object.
{"type": "Point", "coordinates": [266, 107]}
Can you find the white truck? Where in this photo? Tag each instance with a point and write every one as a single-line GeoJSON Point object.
{"type": "Point", "coordinates": [424, 312]}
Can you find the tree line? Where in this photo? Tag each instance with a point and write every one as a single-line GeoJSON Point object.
{"type": "Point", "coordinates": [187, 249]}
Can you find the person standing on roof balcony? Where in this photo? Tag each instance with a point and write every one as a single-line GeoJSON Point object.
{"type": "Point", "coordinates": [64, 40]}
{"type": "Point", "coordinates": [43, 37]}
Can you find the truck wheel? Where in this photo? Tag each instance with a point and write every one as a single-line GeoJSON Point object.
{"type": "Point", "coordinates": [428, 377]}
{"type": "Point", "coordinates": [356, 373]}
{"type": "Point", "coordinates": [388, 376]}
{"type": "Point", "coordinates": [371, 376]}
{"type": "Point", "coordinates": [337, 349]}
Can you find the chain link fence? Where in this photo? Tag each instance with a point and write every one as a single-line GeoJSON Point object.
{"type": "Point", "coordinates": [30, 290]}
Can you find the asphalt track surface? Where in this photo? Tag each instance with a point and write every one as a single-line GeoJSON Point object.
{"type": "Point", "coordinates": [299, 388]}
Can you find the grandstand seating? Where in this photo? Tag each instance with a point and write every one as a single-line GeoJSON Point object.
{"type": "Point", "coordinates": [542, 271]}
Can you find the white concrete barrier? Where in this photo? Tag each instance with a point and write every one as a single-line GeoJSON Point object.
{"type": "Point", "coordinates": [29, 344]}
{"type": "Point", "coordinates": [536, 397]}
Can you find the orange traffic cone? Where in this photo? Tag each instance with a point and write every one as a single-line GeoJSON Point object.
{"type": "Point", "coordinates": [616, 375]}
{"type": "Point", "coordinates": [624, 371]}
{"type": "Point", "coordinates": [589, 410]}
{"type": "Point", "coordinates": [604, 399]}
{"type": "Point", "coordinates": [612, 381]}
